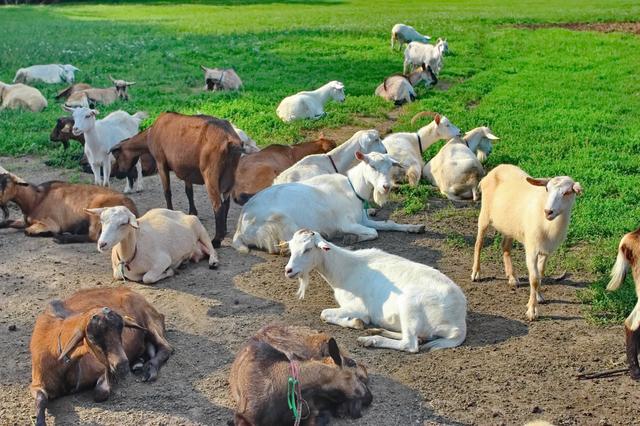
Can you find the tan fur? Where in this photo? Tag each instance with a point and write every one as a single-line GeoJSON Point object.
{"type": "Point", "coordinates": [21, 96]}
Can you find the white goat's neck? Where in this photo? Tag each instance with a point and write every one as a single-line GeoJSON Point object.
{"type": "Point", "coordinates": [335, 267]}
{"type": "Point", "coordinates": [323, 93]}
{"type": "Point", "coordinates": [362, 186]}
{"type": "Point", "coordinates": [126, 248]}
{"type": "Point", "coordinates": [344, 155]}
{"type": "Point", "coordinates": [428, 136]}
{"type": "Point", "coordinates": [91, 136]}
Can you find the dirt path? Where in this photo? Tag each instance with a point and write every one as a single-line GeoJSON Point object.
{"type": "Point", "coordinates": [507, 372]}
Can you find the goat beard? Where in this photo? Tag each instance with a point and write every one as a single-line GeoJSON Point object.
{"type": "Point", "coordinates": [304, 283]}
{"type": "Point", "coordinates": [379, 198]}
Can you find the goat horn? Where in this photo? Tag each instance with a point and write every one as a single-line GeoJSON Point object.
{"type": "Point", "coordinates": [422, 114]}
{"type": "Point", "coordinates": [131, 323]}
{"type": "Point", "coordinates": [111, 78]}
{"type": "Point", "coordinates": [130, 83]}
{"type": "Point", "coordinates": [71, 344]}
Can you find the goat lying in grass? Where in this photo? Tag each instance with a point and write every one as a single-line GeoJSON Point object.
{"type": "Point", "coordinates": [21, 96]}
{"type": "Point", "coordinates": [399, 87]}
{"type": "Point", "coordinates": [51, 73]}
{"type": "Point", "coordinates": [332, 204]}
{"type": "Point", "coordinates": [57, 208]}
{"type": "Point", "coordinates": [92, 96]}
{"type": "Point", "coordinates": [410, 301]}
{"type": "Point", "coordinates": [221, 79]}
{"type": "Point", "coordinates": [535, 212]}
{"type": "Point", "coordinates": [310, 104]}
{"type": "Point", "coordinates": [330, 382]}
{"type": "Point", "coordinates": [152, 247]}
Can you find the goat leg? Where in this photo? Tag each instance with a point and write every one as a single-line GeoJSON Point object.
{"type": "Point", "coordinates": [103, 388]}
{"type": "Point", "coordinates": [632, 340]}
{"type": "Point", "coordinates": [68, 238]}
{"type": "Point", "coordinates": [151, 367]}
{"type": "Point", "coordinates": [15, 224]}
{"type": "Point", "coordinates": [221, 222]}
{"type": "Point", "coordinates": [41, 405]}
{"type": "Point", "coordinates": [188, 189]}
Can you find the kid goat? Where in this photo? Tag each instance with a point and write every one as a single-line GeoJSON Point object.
{"type": "Point", "coordinates": [411, 302]}
{"type": "Point", "coordinates": [332, 204]}
{"type": "Point", "coordinates": [519, 208]}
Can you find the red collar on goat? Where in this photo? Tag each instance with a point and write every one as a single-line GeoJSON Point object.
{"type": "Point", "coordinates": [128, 262]}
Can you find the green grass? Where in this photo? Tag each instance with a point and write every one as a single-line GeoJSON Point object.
{"type": "Point", "coordinates": [562, 102]}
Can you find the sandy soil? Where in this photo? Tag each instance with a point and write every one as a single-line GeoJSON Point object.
{"type": "Point", "coordinates": [507, 372]}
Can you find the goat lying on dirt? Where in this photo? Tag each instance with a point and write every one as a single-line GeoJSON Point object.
{"type": "Point", "coordinates": [411, 302]}
{"type": "Point", "coordinates": [152, 247]}
{"type": "Point", "coordinates": [87, 339]}
{"type": "Point", "coordinates": [57, 208]}
{"type": "Point", "coordinates": [329, 381]}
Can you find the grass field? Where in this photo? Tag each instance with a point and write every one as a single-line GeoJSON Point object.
{"type": "Point", "coordinates": [563, 102]}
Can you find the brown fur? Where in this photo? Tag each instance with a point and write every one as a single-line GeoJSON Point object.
{"type": "Point", "coordinates": [57, 208]}
{"type": "Point", "coordinates": [199, 149]}
{"type": "Point", "coordinates": [68, 91]}
{"type": "Point", "coordinates": [258, 170]}
{"type": "Point", "coordinates": [331, 383]}
{"type": "Point", "coordinates": [87, 364]}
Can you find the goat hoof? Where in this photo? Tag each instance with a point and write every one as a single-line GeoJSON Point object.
{"type": "Point", "coordinates": [634, 373]}
{"type": "Point", "coordinates": [513, 282]}
{"type": "Point", "coordinates": [532, 314]}
{"type": "Point", "coordinates": [368, 341]}
{"type": "Point", "coordinates": [100, 395]}
{"type": "Point", "coordinates": [216, 243]}
{"type": "Point", "coordinates": [193, 212]}
{"type": "Point", "coordinates": [150, 373]}
{"type": "Point", "coordinates": [357, 323]}
{"type": "Point", "coordinates": [539, 298]}
{"type": "Point", "coordinates": [213, 265]}
{"type": "Point", "coordinates": [475, 276]}
{"type": "Point", "coordinates": [418, 229]}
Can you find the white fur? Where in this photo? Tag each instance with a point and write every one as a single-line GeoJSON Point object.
{"type": "Point", "coordinates": [405, 148]}
{"type": "Point", "coordinates": [52, 73]}
{"type": "Point", "coordinates": [455, 169]}
{"type": "Point", "coordinates": [365, 141]}
{"type": "Point", "coordinates": [16, 96]}
{"type": "Point", "coordinates": [226, 78]}
{"type": "Point", "coordinates": [399, 88]}
{"type": "Point", "coordinates": [326, 203]}
{"type": "Point", "coordinates": [535, 212]}
{"type": "Point", "coordinates": [102, 135]}
{"type": "Point", "coordinates": [248, 145]}
{"type": "Point", "coordinates": [410, 301]}
{"type": "Point", "coordinates": [155, 244]}
{"type": "Point", "coordinates": [310, 104]}
{"type": "Point", "coordinates": [402, 34]}
{"type": "Point", "coordinates": [417, 54]}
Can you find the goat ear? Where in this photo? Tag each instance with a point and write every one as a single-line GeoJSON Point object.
{"type": "Point", "coordinates": [577, 188]}
{"type": "Point", "coordinates": [362, 157]}
{"type": "Point", "coordinates": [130, 83]}
{"type": "Point", "coordinates": [71, 344]}
{"type": "Point", "coordinates": [131, 323]}
{"type": "Point", "coordinates": [437, 119]}
{"type": "Point", "coordinates": [334, 351]}
{"type": "Point", "coordinates": [323, 245]}
{"type": "Point", "coordinates": [133, 222]}
{"type": "Point", "coordinates": [491, 136]}
{"type": "Point", "coordinates": [537, 182]}
{"type": "Point", "coordinates": [95, 212]}
{"type": "Point", "coordinates": [66, 108]}
{"type": "Point", "coordinates": [95, 112]}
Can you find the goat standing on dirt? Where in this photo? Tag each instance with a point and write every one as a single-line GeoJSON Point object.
{"type": "Point", "coordinates": [87, 339]}
{"type": "Point", "coordinates": [329, 381]}
{"type": "Point", "coordinates": [411, 302]}
{"type": "Point", "coordinates": [535, 212]}
{"type": "Point", "coordinates": [152, 247]}
{"type": "Point", "coordinates": [628, 254]}
{"type": "Point", "coordinates": [57, 208]}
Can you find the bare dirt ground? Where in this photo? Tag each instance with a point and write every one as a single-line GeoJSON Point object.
{"type": "Point", "coordinates": [507, 372]}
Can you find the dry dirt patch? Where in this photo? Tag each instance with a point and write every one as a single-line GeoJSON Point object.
{"type": "Point", "coordinates": [604, 27]}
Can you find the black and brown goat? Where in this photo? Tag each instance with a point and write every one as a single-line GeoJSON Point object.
{"type": "Point", "coordinates": [91, 338]}
{"type": "Point", "coordinates": [58, 208]}
{"type": "Point", "coordinates": [330, 382]}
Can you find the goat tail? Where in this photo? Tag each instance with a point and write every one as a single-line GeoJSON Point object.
{"type": "Point", "coordinates": [619, 271]}
{"type": "Point", "coordinates": [422, 114]}
{"type": "Point", "coordinates": [141, 115]}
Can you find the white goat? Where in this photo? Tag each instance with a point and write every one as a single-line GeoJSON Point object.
{"type": "Point", "coordinates": [249, 146]}
{"type": "Point", "coordinates": [310, 104]}
{"type": "Point", "coordinates": [535, 212]}
{"type": "Point", "coordinates": [332, 204]}
{"type": "Point", "coordinates": [402, 34]}
{"type": "Point", "coordinates": [17, 96]}
{"type": "Point", "coordinates": [455, 169]}
{"type": "Point", "coordinates": [221, 79]}
{"type": "Point", "coordinates": [152, 247]}
{"type": "Point", "coordinates": [106, 96]}
{"type": "Point", "coordinates": [52, 73]}
{"type": "Point", "coordinates": [102, 135]}
{"type": "Point", "coordinates": [411, 302]}
{"type": "Point", "coordinates": [417, 54]}
{"type": "Point", "coordinates": [480, 141]}
{"type": "Point", "coordinates": [342, 157]}
{"type": "Point", "coordinates": [399, 88]}
{"type": "Point", "coordinates": [407, 148]}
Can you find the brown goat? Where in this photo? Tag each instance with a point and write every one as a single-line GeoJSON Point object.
{"type": "Point", "coordinates": [68, 91]}
{"type": "Point", "coordinates": [95, 334]}
{"type": "Point", "coordinates": [199, 149]}
{"type": "Point", "coordinates": [257, 171]}
{"type": "Point", "coordinates": [57, 208]}
{"type": "Point", "coordinates": [62, 132]}
{"type": "Point", "coordinates": [330, 382]}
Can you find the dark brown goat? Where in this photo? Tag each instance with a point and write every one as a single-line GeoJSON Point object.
{"type": "Point", "coordinates": [57, 208]}
{"type": "Point", "coordinates": [199, 149]}
{"type": "Point", "coordinates": [258, 170]}
{"type": "Point", "coordinates": [95, 334]}
{"type": "Point", "coordinates": [70, 90]}
{"type": "Point", "coordinates": [62, 132]}
{"type": "Point", "coordinates": [330, 382]}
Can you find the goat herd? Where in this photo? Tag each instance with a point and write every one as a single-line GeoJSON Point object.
{"type": "Point", "coordinates": [294, 197]}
